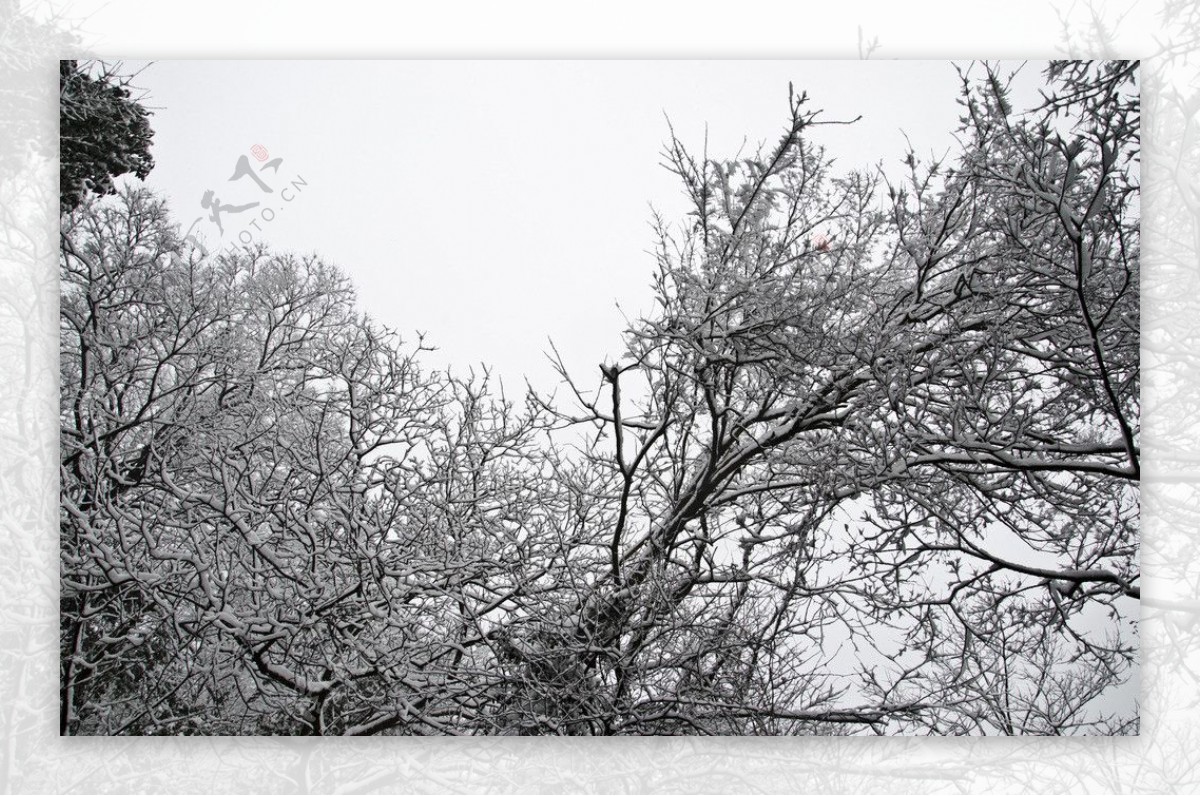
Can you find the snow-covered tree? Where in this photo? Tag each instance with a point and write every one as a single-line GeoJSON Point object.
{"type": "Point", "coordinates": [871, 466]}
{"type": "Point", "coordinates": [881, 458]}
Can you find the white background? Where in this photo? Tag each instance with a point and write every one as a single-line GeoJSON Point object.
{"type": "Point", "coordinates": [1165, 758]}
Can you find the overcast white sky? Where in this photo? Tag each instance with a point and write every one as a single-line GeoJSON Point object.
{"type": "Point", "coordinates": [497, 204]}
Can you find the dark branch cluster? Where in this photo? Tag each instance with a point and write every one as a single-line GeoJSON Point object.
{"type": "Point", "coordinates": [103, 131]}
